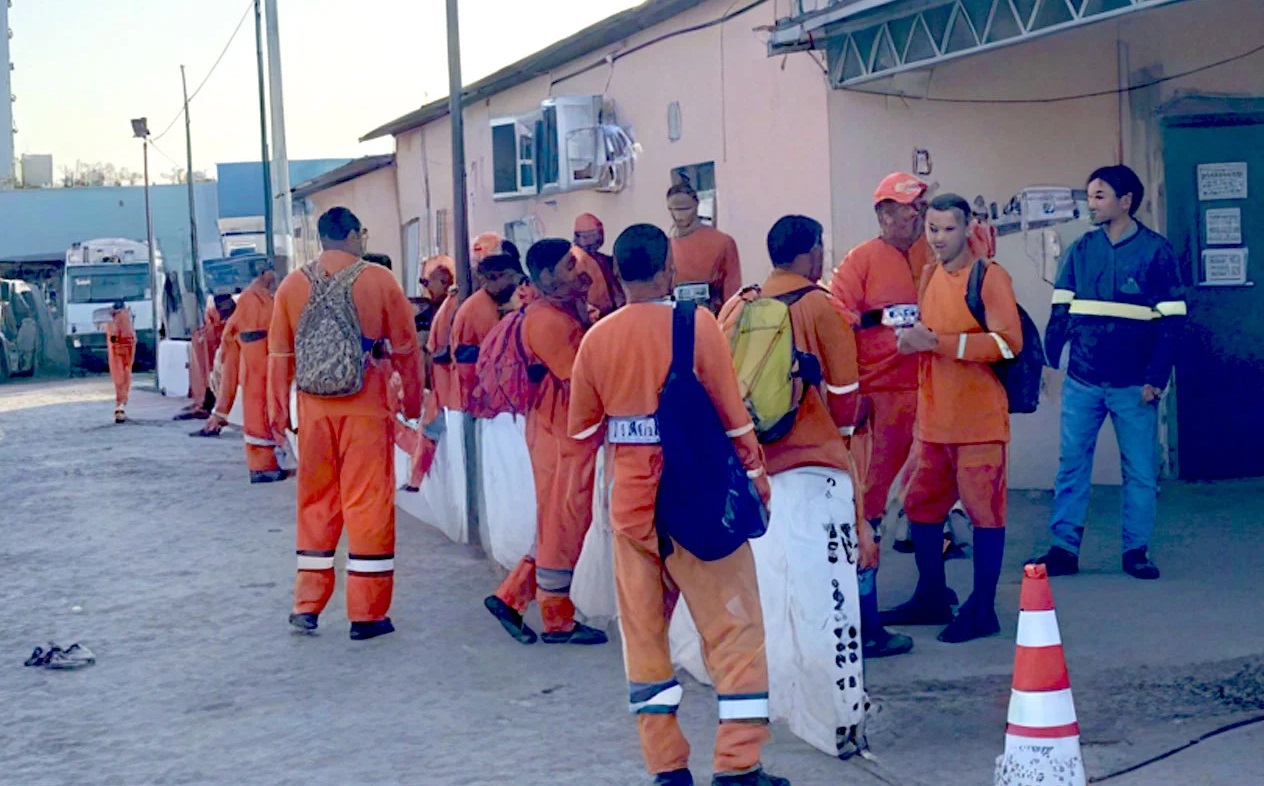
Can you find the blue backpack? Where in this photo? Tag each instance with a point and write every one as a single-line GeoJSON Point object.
{"type": "Point", "coordinates": [706, 503]}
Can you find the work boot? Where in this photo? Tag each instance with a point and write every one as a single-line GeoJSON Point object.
{"type": "Point", "coordinates": [887, 644]}
{"type": "Point", "coordinates": [1060, 562]}
{"type": "Point", "coordinates": [972, 622]}
{"type": "Point", "coordinates": [363, 631]}
{"type": "Point", "coordinates": [581, 634]}
{"type": "Point", "coordinates": [1138, 565]}
{"type": "Point", "coordinates": [674, 778]}
{"type": "Point", "coordinates": [303, 623]}
{"type": "Point", "coordinates": [756, 777]}
{"type": "Point", "coordinates": [903, 546]}
{"type": "Point", "coordinates": [920, 610]}
{"type": "Point", "coordinates": [509, 619]}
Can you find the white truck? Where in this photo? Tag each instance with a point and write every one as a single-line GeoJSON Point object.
{"type": "Point", "coordinates": [101, 272]}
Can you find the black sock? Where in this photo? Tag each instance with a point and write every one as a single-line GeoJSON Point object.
{"type": "Point", "coordinates": [928, 553]}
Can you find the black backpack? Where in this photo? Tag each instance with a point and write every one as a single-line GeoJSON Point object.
{"type": "Point", "coordinates": [1020, 375]}
{"type": "Point", "coordinates": [706, 503]}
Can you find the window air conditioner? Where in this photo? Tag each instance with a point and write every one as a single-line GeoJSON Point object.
{"type": "Point", "coordinates": [570, 149]}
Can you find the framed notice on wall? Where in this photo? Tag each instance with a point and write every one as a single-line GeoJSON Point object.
{"type": "Point", "coordinates": [1224, 226]}
{"type": "Point", "coordinates": [1222, 181]}
{"type": "Point", "coordinates": [1224, 267]}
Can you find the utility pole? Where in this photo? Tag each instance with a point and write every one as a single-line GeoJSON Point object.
{"type": "Point", "coordinates": [140, 128]}
{"type": "Point", "coordinates": [263, 137]}
{"type": "Point", "coordinates": [461, 250]}
{"type": "Point", "coordinates": [283, 213]}
{"type": "Point", "coordinates": [193, 236]}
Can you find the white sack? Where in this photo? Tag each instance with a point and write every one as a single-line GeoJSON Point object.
{"type": "Point", "coordinates": [441, 500]}
{"type": "Point", "coordinates": [592, 586]}
{"type": "Point", "coordinates": [509, 503]}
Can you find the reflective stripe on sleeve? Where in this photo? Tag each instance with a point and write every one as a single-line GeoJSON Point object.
{"type": "Point", "coordinates": [1006, 352]}
{"type": "Point", "coordinates": [586, 433]}
{"type": "Point", "coordinates": [842, 390]}
{"type": "Point", "coordinates": [740, 432]}
{"type": "Point", "coordinates": [1062, 297]}
{"type": "Point", "coordinates": [847, 431]}
{"type": "Point", "coordinates": [961, 346]}
{"type": "Point", "coordinates": [1105, 308]}
{"type": "Point", "coordinates": [1170, 308]}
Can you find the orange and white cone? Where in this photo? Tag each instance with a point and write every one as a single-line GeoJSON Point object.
{"type": "Point", "coordinates": [1042, 737]}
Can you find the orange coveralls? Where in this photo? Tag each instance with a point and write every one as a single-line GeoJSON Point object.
{"type": "Point", "coordinates": [203, 344]}
{"type": "Point", "coordinates": [619, 371]}
{"type": "Point", "coordinates": [563, 470]}
{"type": "Point", "coordinates": [872, 276]}
{"type": "Point", "coordinates": [474, 319]}
{"type": "Point", "coordinates": [604, 294]}
{"type": "Point", "coordinates": [246, 363]}
{"type": "Point", "coordinates": [121, 339]}
{"type": "Point", "coordinates": [346, 473]}
{"type": "Point", "coordinates": [708, 256]}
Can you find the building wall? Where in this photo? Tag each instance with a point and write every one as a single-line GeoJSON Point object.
{"type": "Point", "coordinates": [762, 122]}
{"type": "Point", "coordinates": [997, 149]}
{"type": "Point", "coordinates": [373, 198]}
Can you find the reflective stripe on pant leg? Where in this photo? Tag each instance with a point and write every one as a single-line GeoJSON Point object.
{"type": "Point", "coordinates": [658, 698]}
{"type": "Point", "coordinates": [743, 706]}
{"type": "Point", "coordinates": [319, 516]}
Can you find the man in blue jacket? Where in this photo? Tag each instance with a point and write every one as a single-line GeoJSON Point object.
{"type": "Point", "coordinates": [1119, 303]}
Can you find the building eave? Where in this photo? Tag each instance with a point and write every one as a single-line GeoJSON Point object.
{"type": "Point", "coordinates": [347, 172]}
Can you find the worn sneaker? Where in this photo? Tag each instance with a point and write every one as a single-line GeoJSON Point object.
{"type": "Point", "coordinates": [674, 778]}
{"type": "Point", "coordinates": [580, 634]}
{"type": "Point", "coordinates": [73, 657]}
{"type": "Point", "coordinates": [303, 623]}
{"type": "Point", "coordinates": [509, 619]}
{"type": "Point", "coordinates": [887, 644]}
{"type": "Point", "coordinates": [756, 777]}
{"type": "Point", "coordinates": [1137, 564]}
{"type": "Point", "coordinates": [1059, 562]}
{"type": "Point", "coordinates": [363, 631]}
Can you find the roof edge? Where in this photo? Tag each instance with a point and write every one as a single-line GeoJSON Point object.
{"type": "Point", "coordinates": [345, 173]}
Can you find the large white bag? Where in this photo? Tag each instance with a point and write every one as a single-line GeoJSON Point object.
{"type": "Point", "coordinates": [441, 500]}
{"type": "Point", "coordinates": [509, 503]}
{"type": "Point", "coordinates": [686, 644]}
{"type": "Point", "coordinates": [592, 586]}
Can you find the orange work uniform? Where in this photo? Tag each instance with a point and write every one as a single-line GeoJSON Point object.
{"type": "Point", "coordinates": [346, 472]}
{"type": "Point", "coordinates": [962, 408]}
{"type": "Point", "coordinates": [121, 339]}
{"type": "Point", "coordinates": [474, 319]}
{"type": "Point", "coordinates": [708, 256]}
{"type": "Point", "coordinates": [605, 294]}
{"type": "Point", "coordinates": [873, 276]}
{"type": "Point", "coordinates": [619, 371]}
{"type": "Point", "coordinates": [203, 345]}
{"type": "Point", "coordinates": [563, 470]}
{"type": "Point", "coordinates": [245, 350]}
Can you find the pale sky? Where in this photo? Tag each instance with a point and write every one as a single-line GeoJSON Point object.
{"type": "Point", "coordinates": [84, 68]}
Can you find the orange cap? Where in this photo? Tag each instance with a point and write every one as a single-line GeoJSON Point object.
{"type": "Point", "coordinates": [430, 266]}
{"type": "Point", "coordinates": [587, 222]}
{"type": "Point", "coordinates": [899, 187]}
{"type": "Point", "coordinates": [485, 245]}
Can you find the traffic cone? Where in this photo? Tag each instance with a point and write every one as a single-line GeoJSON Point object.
{"type": "Point", "coordinates": [1042, 737]}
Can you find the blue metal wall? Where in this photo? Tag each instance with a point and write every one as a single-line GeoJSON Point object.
{"type": "Point", "coordinates": [241, 184]}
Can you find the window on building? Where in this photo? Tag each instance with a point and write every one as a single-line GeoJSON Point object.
{"type": "Point", "coordinates": [702, 178]}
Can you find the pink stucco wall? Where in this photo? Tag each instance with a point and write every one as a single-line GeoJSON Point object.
{"type": "Point", "coordinates": [373, 199]}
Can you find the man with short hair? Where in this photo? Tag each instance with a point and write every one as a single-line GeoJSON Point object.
{"type": "Point", "coordinates": [605, 293]}
{"type": "Point", "coordinates": [962, 425]}
{"type": "Point", "coordinates": [552, 327]}
{"type": "Point", "coordinates": [621, 367]}
{"type": "Point", "coordinates": [878, 283]}
{"type": "Point", "coordinates": [708, 268]}
{"type": "Point", "coordinates": [1119, 302]}
{"type": "Point", "coordinates": [346, 469]}
{"type": "Point", "coordinates": [499, 275]}
{"type": "Point", "coordinates": [120, 336]}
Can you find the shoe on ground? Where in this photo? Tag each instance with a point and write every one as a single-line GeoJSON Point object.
{"type": "Point", "coordinates": [971, 623]}
{"type": "Point", "coordinates": [409, 489]}
{"type": "Point", "coordinates": [1138, 565]}
{"type": "Point", "coordinates": [363, 631]}
{"type": "Point", "coordinates": [1059, 562]}
{"type": "Point", "coordinates": [903, 546]}
{"type": "Point", "coordinates": [921, 611]}
{"type": "Point", "coordinates": [509, 619]}
{"type": "Point", "coordinates": [580, 634]}
{"type": "Point", "coordinates": [887, 644]}
{"type": "Point", "coordinates": [192, 415]}
{"type": "Point", "coordinates": [674, 778]}
{"type": "Point", "coordinates": [73, 657]}
{"type": "Point", "coordinates": [304, 623]}
{"type": "Point", "coordinates": [755, 778]}
{"type": "Point", "coordinates": [119, 415]}
{"type": "Point", "coordinates": [205, 432]}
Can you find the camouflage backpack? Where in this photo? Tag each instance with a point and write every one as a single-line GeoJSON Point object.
{"type": "Point", "coordinates": [329, 353]}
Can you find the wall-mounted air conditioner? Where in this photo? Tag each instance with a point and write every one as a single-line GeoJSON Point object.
{"type": "Point", "coordinates": [569, 144]}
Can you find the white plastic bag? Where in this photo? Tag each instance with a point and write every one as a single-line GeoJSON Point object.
{"type": "Point", "coordinates": [592, 586]}
{"type": "Point", "coordinates": [441, 500]}
{"type": "Point", "coordinates": [686, 644]}
{"type": "Point", "coordinates": [509, 503]}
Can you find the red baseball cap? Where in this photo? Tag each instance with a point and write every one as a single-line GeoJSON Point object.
{"type": "Point", "coordinates": [587, 222]}
{"type": "Point", "coordinates": [899, 187]}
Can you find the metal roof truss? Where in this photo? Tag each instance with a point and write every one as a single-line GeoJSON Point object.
{"type": "Point", "coordinates": [860, 51]}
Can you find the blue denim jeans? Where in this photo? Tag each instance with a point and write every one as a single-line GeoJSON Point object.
{"type": "Point", "coordinates": [1084, 409]}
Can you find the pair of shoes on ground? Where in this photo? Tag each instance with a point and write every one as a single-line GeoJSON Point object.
{"type": "Point", "coordinates": [73, 657]}
{"type": "Point", "coordinates": [1135, 562]}
{"type": "Point", "coordinates": [970, 622]}
{"type": "Point", "coordinates": [756, 777]}
{"type": "Point", "coordinates": [360, 631]}
{"type": "Point", "coordinates": [512, 622]}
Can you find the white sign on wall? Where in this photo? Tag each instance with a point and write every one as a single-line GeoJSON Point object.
{"type": "Point", "coordinates": [1222, 181]}
{"type": "Point", "coordinates": [1224, 226]}
{"type": "Point", "coordinates": [1224, 266]}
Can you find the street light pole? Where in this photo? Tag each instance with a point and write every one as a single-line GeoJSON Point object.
{"type": "Point", "coordinates": [140, 128]}
{"type": "Point", "coordinates": [263, 138]}
{"type": "Point", "coordinates": [188, 179]}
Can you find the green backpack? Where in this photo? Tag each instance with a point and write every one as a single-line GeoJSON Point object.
{"type": "Point", "coordinates": [772, 374]}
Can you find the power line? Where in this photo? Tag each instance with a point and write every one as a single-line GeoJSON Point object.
{"type": "Point", "coordinates": [1078, 96]}
{"type": "Point", "coordinates": [249, 7]}
{"type": "Point", "coordinates": [163, 153]}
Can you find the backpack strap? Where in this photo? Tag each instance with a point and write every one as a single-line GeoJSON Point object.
{"type": "Point", "coordinates": [684, 315]}
{"type": "Point", "coordinates": [790, 298]}
{"type": "Point", "coordinates": [974, 293]}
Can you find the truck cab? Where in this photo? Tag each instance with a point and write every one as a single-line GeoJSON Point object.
{"type": "Point", "coordinates": [101, 272]}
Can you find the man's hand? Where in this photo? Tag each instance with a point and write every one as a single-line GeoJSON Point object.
{"type": "Point", "coordinates": [918, 338]}
{"type": "Point", "coordinates": [1150, 394]}
{"type": "Point", "coordinates": [763, 488]}
{"type": "Point", "coordinates": [869, 550]}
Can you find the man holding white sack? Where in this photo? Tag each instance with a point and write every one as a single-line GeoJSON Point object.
{"type": "Point", "coordinates": [816, 541]}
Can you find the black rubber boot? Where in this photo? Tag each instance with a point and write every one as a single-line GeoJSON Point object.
{"type": "Point", "coordinates": [755, 778]}
{"type": "Point", "coordinates": [509, 619]}
{"type": "Point", "coordinates": [581, 634]}
{"type": "Point", "coordinates": [974, 621]}
{"type": "Point", "coordinates": [1059, 562]}
{"type": "Point", "coordinates": [932, 601]}
{"type": "Point", "coordinates": [674, 778]}
{"type": "Point", "coordinates": [304, 623]}
{"type": "Point", "coordinates": [363, 631]}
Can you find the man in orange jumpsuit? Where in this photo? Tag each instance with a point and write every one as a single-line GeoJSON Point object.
{"type": "Point", "coordinates": [499, 276]}
{"type": "Point", "coordinates": [877, 283]}
{"type": "Point", "coordinates": [552, 328]}
{"type": "Point", "coordinates": [437, 276]}
{"type": "Point", "coordinates": [346, 474]}
{"type": "Point", "coordinates": [707, 265]}
{"type": "Point", "coordinates": [204, 344]}
{"type": "Point", "coordinates": [962, 426]}
{"type": "Point", "coordinates": [121, 340]}
{"type": "Point", "coordinates": [618, 373]}
{"type": "Point", "coordinates": [245, 361]}
{"type": "Point", "coordinates": [605, 294]}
